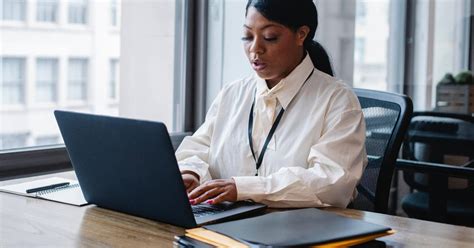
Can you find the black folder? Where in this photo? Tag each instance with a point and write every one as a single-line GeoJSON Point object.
{"type": "Point", "coordinates": [300, 227]}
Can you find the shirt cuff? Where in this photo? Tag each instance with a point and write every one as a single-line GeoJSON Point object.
{"type": "Point", "coordinates": [250, 188]}
{"type": "Point", "coordinates": [203, 175]}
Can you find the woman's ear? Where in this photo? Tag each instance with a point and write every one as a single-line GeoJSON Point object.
{"type": "Point", "coordinates": [301, 34]}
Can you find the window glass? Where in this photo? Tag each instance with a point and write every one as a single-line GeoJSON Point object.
{"type": "Point", "coordinates": [13, 81]}
{"type": "Point", "coordinates": [46, 10]}
{"type": "Point", "coordinates": [379, 44]}
{"type": "Point", "coordinates": [441, 47]}
{"type": "Point", "coordinates": [113, 86]}
{"type": "Point", "coordinates": [113, 12]}
{"type": "Point", "coordinates": [450, 42]}
{"type": "Point", "coordinates": [47, 140]}
{"type": "Point", "coordinates": [364, 40]}
{"type": "Point", "coordinates": [77, 79]}
{"type": "Point", "coordinates": [44, 69]}
{"type": "Point", "coordinates": [13, 140]}
{"type": "Point", "coordinates": [81, 68]}
{"type": "Point", "coordinates": [46, 80]}
{"type": "Point", "coordinates": [13, 10]}
{"type": "Point", "coordinates": [77, 13]}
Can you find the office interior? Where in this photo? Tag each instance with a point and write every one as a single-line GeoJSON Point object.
{"type": "Point", "coordinates": [166, 60]}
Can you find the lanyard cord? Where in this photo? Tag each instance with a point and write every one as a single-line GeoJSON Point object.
{"type": "Point", "coordinates": [270, 134]}
{"type": "Point", "coordinates": [267, 140]}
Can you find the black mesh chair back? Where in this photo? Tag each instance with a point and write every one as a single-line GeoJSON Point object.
{"type": "Point", "coordinates": [387, 116]}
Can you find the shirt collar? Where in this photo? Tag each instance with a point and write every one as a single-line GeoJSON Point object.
{"type": "Point", "coordinates": [287, 88]}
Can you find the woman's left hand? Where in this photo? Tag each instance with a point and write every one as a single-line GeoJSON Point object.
{"type": "Point", "coordinates": [214, 191]}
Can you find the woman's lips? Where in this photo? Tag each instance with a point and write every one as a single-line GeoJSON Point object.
{"type": "Point", "coordinates": [258, 66]}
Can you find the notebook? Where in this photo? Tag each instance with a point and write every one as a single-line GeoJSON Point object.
{"type": "Point", "coordinates": [300, 227]}
{"type": "Point", "coordinates": [70, 194]}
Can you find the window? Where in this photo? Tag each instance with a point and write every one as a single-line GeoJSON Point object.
{"type": "Point", "coordinates": [441, 37]}
{"type": "Point", "coordinates": [113, 12]}
{"type": "Point", "coordinates": [13, 10]}
{"type": "Point", "coordinates": [13, 81]}
{"type": "Point", "coordinates": [113, 86]}
{"type": "Point", "coordinates": [46, 10]}
{"type": "Point", "coordinates": [14, 140]}
{"type": "Point", "coordinates": [46, 140]}
{"type": "Point", "coordinates": [375, 34]}
{"type": "Point", "coordinates": [77, 79]}
{"type": "Point", "coordinates": [77, 11]}
{"type": "Point", "coordinates": [46, 80]}
{"type": "Point", "coordinates": [43, 69]}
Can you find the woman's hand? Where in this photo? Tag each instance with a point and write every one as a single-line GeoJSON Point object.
{"type": "Point", "coordinates": [214, 191]}
{"type": "Point", "coordinates": [190, 179]}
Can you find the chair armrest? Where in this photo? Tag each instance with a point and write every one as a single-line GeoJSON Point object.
{"type": "Point", "coordinates": [177, 138]}
{"type": "Point", "coordinates": [435, 168]}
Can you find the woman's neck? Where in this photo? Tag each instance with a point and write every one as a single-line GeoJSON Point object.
{"type": "Point", "coordinates": [273, 82]}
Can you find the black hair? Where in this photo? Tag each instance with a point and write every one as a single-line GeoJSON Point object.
{"type": "Point", "coordinates": [295, 14]}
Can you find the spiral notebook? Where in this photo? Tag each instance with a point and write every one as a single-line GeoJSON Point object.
{"type": "Point", "coordinates": [69, 194]}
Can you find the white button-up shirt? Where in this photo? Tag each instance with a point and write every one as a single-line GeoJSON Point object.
{"type": "Point", "coordinates": [315, 157]}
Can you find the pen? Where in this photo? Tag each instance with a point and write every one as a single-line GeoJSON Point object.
{"type": "Point", "coordinates": [52, 186]}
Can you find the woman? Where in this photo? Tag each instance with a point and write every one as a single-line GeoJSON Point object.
{"type": "Point", "coordinates": [289, 136]}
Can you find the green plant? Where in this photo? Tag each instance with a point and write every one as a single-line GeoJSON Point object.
{"type": "Point", "coordinates": [464, 77]}
{"type": "Point", "coordinates": [448, 79]}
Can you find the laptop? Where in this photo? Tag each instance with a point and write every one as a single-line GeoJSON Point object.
{"type": "Point", "coordinates": [129, 166]}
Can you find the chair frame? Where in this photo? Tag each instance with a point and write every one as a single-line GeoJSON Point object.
{"type": "Point", "coordinates": [438, 182]}
{"type": "Point", "coordinates": [387, 168]}
{"type": "Point", "coordinates": [438, 173]}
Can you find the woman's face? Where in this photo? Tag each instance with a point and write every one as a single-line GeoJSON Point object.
{"type": "Point", "coordinates": [273, 50]}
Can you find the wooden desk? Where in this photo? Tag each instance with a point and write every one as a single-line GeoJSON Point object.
{"type": "Point", "coordinates": [28, 222]}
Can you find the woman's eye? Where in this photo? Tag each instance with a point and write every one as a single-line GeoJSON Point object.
{"type": "Point", "coordinates": [246, 38]}
{"type": "Point", "coordinates": [271, 38]}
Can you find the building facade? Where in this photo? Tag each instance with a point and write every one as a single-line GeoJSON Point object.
{"type": "Point", "coordinates": [55, 54]}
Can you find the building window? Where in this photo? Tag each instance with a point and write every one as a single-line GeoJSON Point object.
{"type": "Point", "coordinates": [14, 140]}
{"type": "Point", "coordinates": [46, 10]}
{"type": "Point", "coordinates": [373, 38]}
{"type": "Point", "coordinates": [113, 12]}
{"type": "Point", "coordinates": [77, 13]}
{"type": "Point", "coordinates": [77, 79]}
{"type": "Point", "coordinates": [46, 80]}
{"type": "Point", "coordinates": [47, 140]}
{"type": "Point", "coordinates": [13, 81]}
{"type": "Point", "coordinates": [13, 10]}
{"type": "Point", "coordinates": [113, 84]}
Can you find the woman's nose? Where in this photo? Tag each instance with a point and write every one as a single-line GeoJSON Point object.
{"type": "Point", "coordinates": [256, 47]}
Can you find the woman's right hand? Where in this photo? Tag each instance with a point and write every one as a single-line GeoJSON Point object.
{"type": "Point", "coordinates": [190, 179]}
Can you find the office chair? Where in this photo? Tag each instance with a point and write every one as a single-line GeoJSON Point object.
{"type": "Point", "coordinates": [177, 138]}
{"type": "Point", "coordinates": [387, 116]}
{"type": "Point", "coordinates": [437, 193]}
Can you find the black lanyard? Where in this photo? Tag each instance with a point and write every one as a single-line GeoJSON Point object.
{"type": "Point", "coordinates": [270, 134]}
{"type": "Point", "coordinates": [267, 140]}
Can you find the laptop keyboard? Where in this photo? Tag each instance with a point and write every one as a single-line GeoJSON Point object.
{"type": "Point", "coordinates": [207, 209]}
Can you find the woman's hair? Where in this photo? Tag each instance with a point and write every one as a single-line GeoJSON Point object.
{"type": "Point", "coordinates": [295, 14]}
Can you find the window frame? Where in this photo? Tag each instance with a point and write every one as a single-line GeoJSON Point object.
{"type": "Point", "coordinates": [471, 38]}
